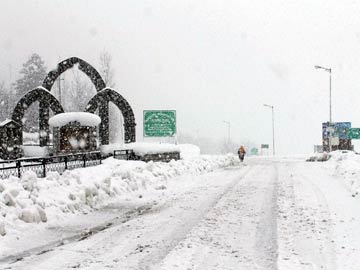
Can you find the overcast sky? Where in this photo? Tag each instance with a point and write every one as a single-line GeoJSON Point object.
{"type": "Point", "coordinates": [209, 60]}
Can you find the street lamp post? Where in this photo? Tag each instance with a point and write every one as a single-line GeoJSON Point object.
{"type": "Point", "coordinates": [228, 124]}
{"type": "Point", "coordinates": [273, 128]}
{"type": "Point", "coordinates": [330, 116]}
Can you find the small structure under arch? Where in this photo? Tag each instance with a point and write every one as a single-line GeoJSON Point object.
{"type": "Point", "coordinates": [75, 132]}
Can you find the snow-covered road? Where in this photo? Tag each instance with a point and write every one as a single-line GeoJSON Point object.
{"type": "Point", "coordinates": [267, 214]}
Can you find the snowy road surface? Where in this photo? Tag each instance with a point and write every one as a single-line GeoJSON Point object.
{"type": "Point", "coordinates": [267, 214]}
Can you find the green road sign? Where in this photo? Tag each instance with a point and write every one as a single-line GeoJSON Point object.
{"type": "Point", "coordinates": [354, 133]}
{"type": "Point", "coordinates": [159, 123]}
{"type": "Point", "coordinates": [265, 146]}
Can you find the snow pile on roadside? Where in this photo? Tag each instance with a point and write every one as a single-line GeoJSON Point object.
{"type": "Point", "coordinates": [36, 200]}
{"type": "Point", "coordinates": [346, 164]}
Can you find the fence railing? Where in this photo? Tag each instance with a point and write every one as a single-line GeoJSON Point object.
{"type": "Point", "coordinates": [46, 164]}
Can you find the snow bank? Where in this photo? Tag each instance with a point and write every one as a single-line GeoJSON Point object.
{"type": "Point", "coordinates": [141, 149]}
{"type": "Point", "coordinates": [84, 118]}
{"type": "Point", "coordinates": [346, 165]}
{"type": "Point", "coordinates": [31, 200]}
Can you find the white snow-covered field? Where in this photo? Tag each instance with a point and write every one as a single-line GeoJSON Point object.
{"type": "Point", "coordinates": [204, 212]}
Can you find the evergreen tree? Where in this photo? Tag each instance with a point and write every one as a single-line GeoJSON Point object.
{"type": "Point", "coordinates": [32, 73]}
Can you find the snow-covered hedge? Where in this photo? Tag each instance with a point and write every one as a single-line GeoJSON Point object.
{"type": "Point", "coordinates": [35, 200]}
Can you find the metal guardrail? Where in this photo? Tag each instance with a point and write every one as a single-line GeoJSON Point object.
{"type": "Point", "coordinates": [46, 164]}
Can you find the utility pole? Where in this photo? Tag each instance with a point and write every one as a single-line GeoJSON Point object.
{"type": "Point", "coordinates": [330, 109]}
{"type": "Point", "coordinates": [273, 126]}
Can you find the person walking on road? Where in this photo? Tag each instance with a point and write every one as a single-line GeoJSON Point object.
{"type": "Point", "coordinates": [241, 153]}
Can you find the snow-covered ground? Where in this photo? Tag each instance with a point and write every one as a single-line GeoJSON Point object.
{"type": "Point", "coordinates": [319, 217]}
{"type": "Point", "coordinates": [26, 202]}
{"type": "Point", "coordinates": [207, 212]}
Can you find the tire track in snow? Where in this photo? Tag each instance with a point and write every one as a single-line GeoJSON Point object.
{"type": "Point", "coordinates": [306, 227]}
{"type": "Point", "coordinates": [236, 233]}
{"type": "Point", "coordinates": [155, 258]}
{"type": "Point", "coordinates": [85, 234]}
{"type": "Point", "coordinates": [267, 243]}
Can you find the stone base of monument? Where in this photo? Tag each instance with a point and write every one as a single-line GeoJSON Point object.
{"type": "Point", "coordinates": [143, 151]}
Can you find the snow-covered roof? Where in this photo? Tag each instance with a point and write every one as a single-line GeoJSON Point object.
{"type": "Point", "coordinates": [7, 121]}
{"type": "Point", "coordinates": [84, 118]}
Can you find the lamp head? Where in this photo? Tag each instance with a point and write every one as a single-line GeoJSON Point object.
{"type": "Point", "coordinates": [324, 68]}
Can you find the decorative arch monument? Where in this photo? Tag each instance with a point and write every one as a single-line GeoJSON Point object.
{"type": "Point", "coordinates": [84, 66]}
{"type": "Point", "coordinates": [99, 102]}
{"type": "Point", "coordinates": [46, 101]}
{"type": "Point", "coordinates": [96, 79]}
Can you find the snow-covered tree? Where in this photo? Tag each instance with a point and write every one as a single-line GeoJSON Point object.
{"type": "Point", "coordinates": [106, 69]}
{"type": "Point", "coordinates": [207, 145]}
{"type": "Point", "coordinates": [32, 74]}
{"type": "Point", "coordinates": [7, 100]}
{"type": "Point", "coordinates": [78, 92]}
{"type": "Point", "coordinates": [229, 146]}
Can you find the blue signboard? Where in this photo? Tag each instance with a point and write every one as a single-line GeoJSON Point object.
{"type": "Point", "coordinates": [339, 129]}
